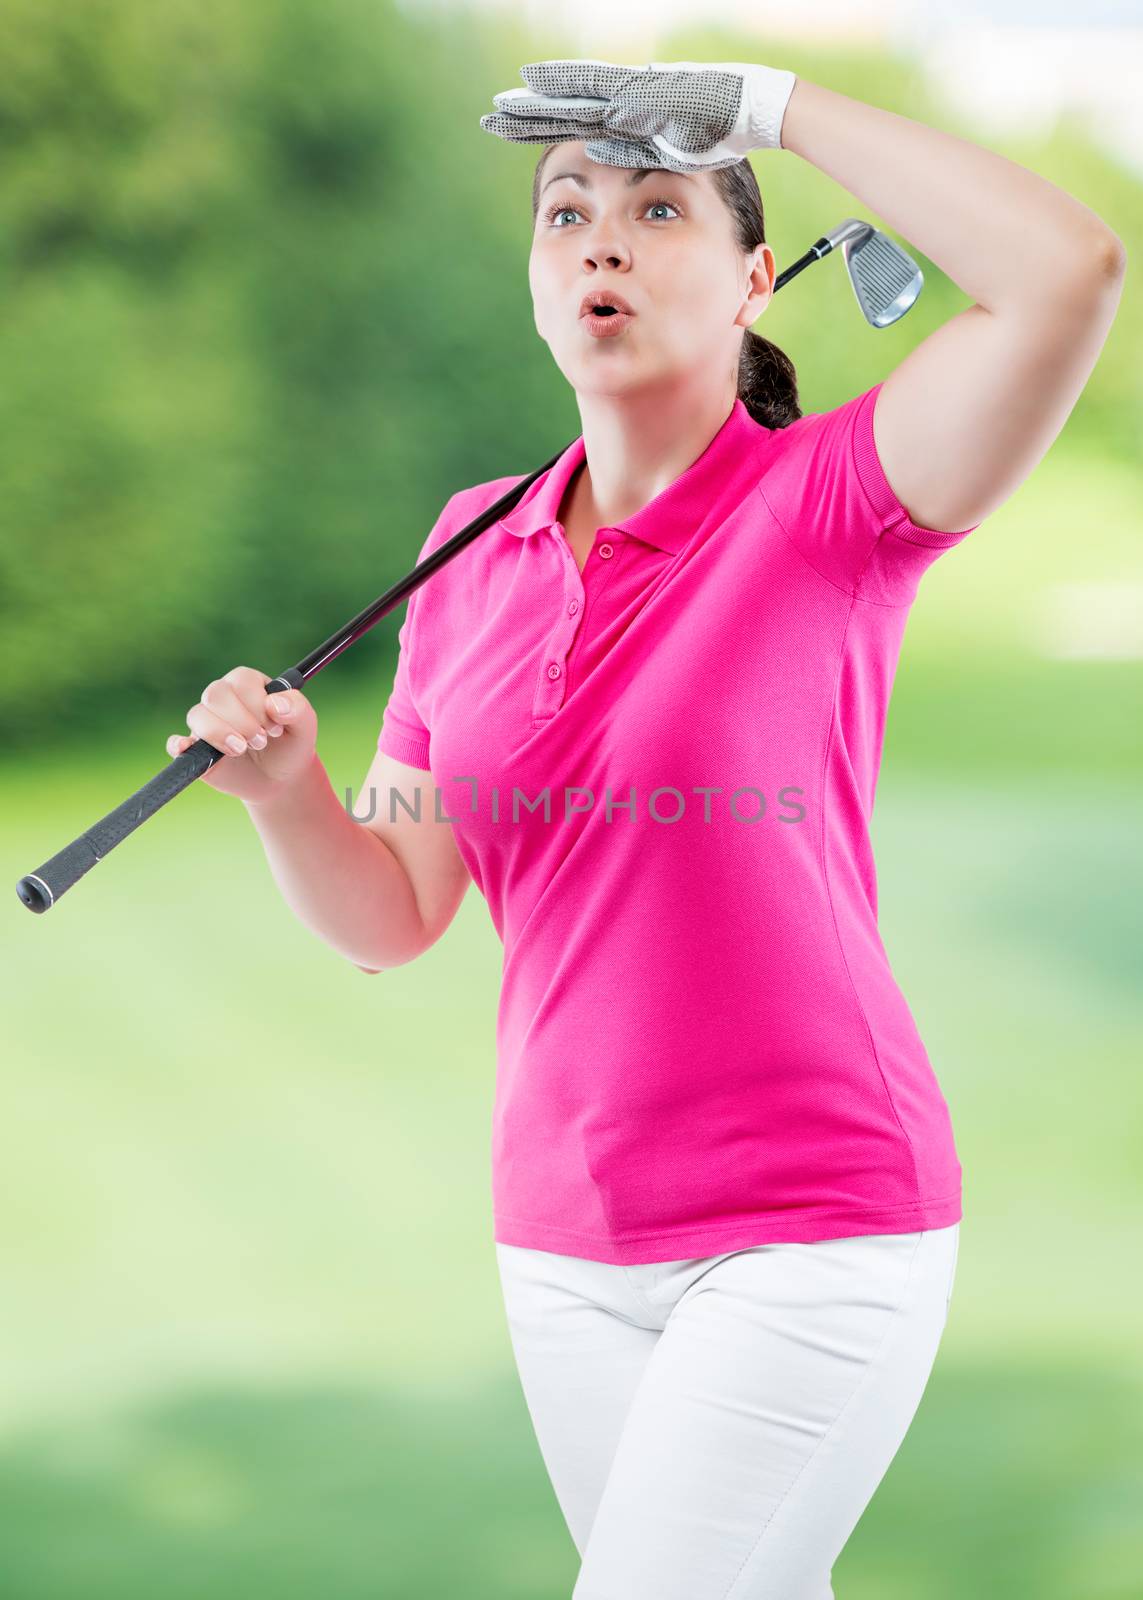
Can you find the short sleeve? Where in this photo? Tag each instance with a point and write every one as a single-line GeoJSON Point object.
{"type": "Point", "coordinates": [827, 488]}
{"type": "Point", "coordinates": [403, 734]}
{"type": "Point", "coordinates": [433, 630]}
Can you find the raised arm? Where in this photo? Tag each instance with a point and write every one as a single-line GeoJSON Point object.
{"type": "Point", "coordinates": [963, 419]}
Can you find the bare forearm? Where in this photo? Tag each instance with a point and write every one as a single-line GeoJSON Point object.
{"type": "Point", "coordinates": [337, 876]}
{"type": "Point", "coordinates": [1002, 233]}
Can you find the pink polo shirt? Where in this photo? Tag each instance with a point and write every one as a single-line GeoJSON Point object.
{"type": "Point", "coordinates": [660, 774]}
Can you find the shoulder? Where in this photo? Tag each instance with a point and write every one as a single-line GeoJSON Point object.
{"type": "Point", "coordinates": [840, 423]}
{"type": "Point", "coordinates": [826, 485]}
{"type": "Point", "coordinates": [816, 483]}
{"type": "Point", "coordinates": [466, 505]}
{"type": "Point", "coordinates": [463, 507]}
{"type": "Point", "coordinates": [823, 454]}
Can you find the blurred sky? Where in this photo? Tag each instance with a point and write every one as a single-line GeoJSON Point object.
{"type": "Point", "coordinates": [1013, 64]}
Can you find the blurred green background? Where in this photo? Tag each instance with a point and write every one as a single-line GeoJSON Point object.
{"type": "Point", "coordinates": [265, 309]}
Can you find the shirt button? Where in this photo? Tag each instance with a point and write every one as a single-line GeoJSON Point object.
{"type": "Point", "coordinates": [553, 671]}
{"type": "Point", "coordinates": [573, 608]}
{"type": "Point", "coordinates": [606, 551]}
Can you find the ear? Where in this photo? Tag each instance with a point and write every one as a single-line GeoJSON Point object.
{"type": "Point", "coordinates": [763, 269]}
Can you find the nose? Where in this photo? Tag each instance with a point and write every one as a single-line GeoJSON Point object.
{"type": "Point", "coordinates": [608, 256]}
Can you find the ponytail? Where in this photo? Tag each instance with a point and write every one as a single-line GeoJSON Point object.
{"type": "Point", "coordinates": [767, 382]}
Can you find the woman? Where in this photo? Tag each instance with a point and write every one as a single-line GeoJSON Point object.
{"type": "Point", "coordinates": [725, 1188]}
{"type": "Point", "coordinates": [704, 1053]}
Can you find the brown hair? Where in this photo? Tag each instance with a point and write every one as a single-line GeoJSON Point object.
{"type": "Point", "coordinates": [767, 381]}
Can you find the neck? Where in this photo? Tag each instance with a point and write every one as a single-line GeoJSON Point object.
{"type": "Point", "coordinates": [637, 445]}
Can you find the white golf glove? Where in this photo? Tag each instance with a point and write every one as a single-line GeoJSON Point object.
{"type": "Point", "coordinates": [685, 116]}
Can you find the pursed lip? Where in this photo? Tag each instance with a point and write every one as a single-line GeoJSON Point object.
{"type": "Point", "coordinates": [604, 297]}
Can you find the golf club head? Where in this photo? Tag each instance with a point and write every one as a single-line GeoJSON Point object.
{"type": "Point", "coordinates": [885, 278]}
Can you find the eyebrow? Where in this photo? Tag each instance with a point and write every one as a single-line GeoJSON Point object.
{"type": "Point", "coordinates": [636, 177]}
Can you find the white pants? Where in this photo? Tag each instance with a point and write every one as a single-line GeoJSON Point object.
{"type": "Point", "coordinates": [714, 1428]}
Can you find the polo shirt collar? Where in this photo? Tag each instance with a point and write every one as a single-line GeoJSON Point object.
{"type": "Point", "coordinates": [668, 520]}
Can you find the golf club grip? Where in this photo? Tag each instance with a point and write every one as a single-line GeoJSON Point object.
{"type": "Point", "coordinates": [40, 890]}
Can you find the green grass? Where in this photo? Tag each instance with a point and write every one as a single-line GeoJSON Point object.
{"type": "Point", "coordinates": [253, 1339]}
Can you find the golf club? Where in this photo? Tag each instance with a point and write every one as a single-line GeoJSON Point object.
{"type": "Point", "coordinates": [885, 278]}
{"type": "Point", "coordinates": [886, 282]}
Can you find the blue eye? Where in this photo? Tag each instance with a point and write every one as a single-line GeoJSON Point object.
{"type": "Point", "coordinates": [558, 210]}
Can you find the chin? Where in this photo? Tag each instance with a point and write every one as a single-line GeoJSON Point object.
{"type": "Point", "coordinates": [587, 384]}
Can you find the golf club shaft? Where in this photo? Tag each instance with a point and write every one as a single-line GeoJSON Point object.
{"type": "Point", "coordinates": [40, 890]}
{"type": "Point", "coordinates": [817, 250]}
